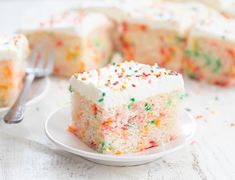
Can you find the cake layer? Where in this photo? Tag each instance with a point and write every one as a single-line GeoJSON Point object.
{"type": "Point", "coordinates": [115, 84]}
{"type": "Point", "coordinates": [128, 128]}
{"type": "Point", "coordinates": [149, 46]}
{"type": "Point", "coordinates": [11, 77]}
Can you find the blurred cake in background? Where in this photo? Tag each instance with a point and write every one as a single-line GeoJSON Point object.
{"type": "Point", "coordinates": [154, 31]}
{"type": "Point", "coordinates": [159, 35]}
{"type": "Point", "coordinates": [81, 41]}
{"type": "Point", "coordinates": [164, 32]}
{"type": "Point", "coordinates": [127, 107]}
{"type": "Point", "coordinates": [210, 52]}
{"type": "Point", "coordinates": [14, 51]}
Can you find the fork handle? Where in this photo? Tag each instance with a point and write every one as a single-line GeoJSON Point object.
{"type": "Point", "coordinates": [16, 113]}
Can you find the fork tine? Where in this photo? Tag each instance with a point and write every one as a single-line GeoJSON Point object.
{"type": "Point", "coordinates": [39, 67]}
{"type": "Point", "coordinates": [50, 62]}
{"type": "Point", "coordinates": [34, 57]}
{"type": "Point", "coordinates": [40, 62]}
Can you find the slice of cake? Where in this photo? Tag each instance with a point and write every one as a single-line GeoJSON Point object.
{"type": "Point", "coordinates": [210, 53]}
{"type": "Point", "coordinates": [82, 41]}
{"type": "Point", "coordinates": [127, 107]}
{"type": "Point", "coordinates": [13, 54]}
{"type": "Point", "coordinates": [159, 35]}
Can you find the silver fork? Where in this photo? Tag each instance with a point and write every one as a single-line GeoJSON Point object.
{"type": "Point", "coordinates": [34, 71]}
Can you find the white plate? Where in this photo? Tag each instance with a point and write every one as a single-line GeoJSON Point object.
{"type": "Point", "coordinates": [38, 90]}
{"type": "Point", "coordinates": [56, 131]}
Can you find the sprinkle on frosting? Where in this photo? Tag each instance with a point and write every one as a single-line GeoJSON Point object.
{"type": "Point", "coordinates": [70, 89]}
{"type": "Point", "coordinates": [132, 99]}
{"type": "Point", "coordinates": [147, 107]}
{"type": "Point", "coordinates": [101, 100]}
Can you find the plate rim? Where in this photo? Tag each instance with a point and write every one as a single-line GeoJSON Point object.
{"type": "Point", "coordinates": [33, 100]}
{"type": "Point", "coordinates": [114, 158]}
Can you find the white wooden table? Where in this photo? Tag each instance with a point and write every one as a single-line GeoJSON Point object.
{"type": "Point", "coordinates": [25, 152]}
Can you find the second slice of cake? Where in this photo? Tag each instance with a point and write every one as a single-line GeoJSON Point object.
{"type": "Point", "coordinates": [210, 53]}
{"type": "Point", "coordinates": [14, 51]}
{"type": "Point", "coordinates": [159, 35]}
{"type": "Point", "coordinates": [127, 107]}
{"type": "Point", "coordinates": [81, 41]}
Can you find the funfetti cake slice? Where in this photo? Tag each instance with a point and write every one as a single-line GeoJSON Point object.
{"type": "Point", "coordinates": [159, 35]}
{"type": "Point", "coordinates": [210, 53]}
{"type": "Point", "coordinates": [14, 51]}
{"type": "Point", "coordinates": [127, 107]}
{"type": "Point", "coordinates": [81, 41]}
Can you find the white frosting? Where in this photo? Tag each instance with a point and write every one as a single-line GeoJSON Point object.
{"type": "Point", "coordinates": [225, 6]}
{"type": "Point", "coordinates": [124, 81]}
{"type": "Point", "coordinates": [13, 47]}
{"type": "Point", "coordinates": [167, 15]}
{"type": "Point", "coordinates": [111, 9]}
{"type": "Point", "coordinates": [215, 28]}
{"type": "Point", "coordinates": [70, 22]}
{"type": "Point", "coordinates": [171, 16]}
